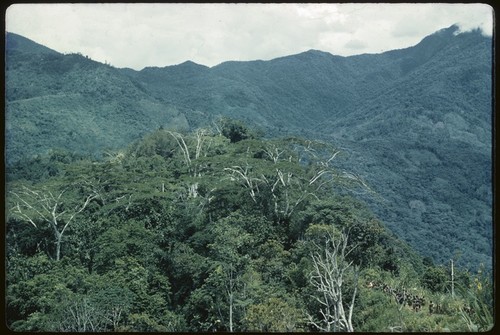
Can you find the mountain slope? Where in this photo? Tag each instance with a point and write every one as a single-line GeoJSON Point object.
{"type": "Point", "coordinates": [15, 42]}
{"type": "Point", "coordinates": [415, 123]}
{"type": "Point", "coordinates": [429, 138]}
{"type": "Point", "coordinates": [74, 103]}
{"type": "Point", "coordinates": [305, 88]}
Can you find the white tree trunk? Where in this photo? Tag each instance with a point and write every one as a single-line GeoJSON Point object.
{"type": "Point", "coordinates": [330, 266]}
{"type": "Point", "coordinates": [42, 205]}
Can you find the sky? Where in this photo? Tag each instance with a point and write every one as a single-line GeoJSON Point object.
{"type": "Point", "coordinates": [140, 35]}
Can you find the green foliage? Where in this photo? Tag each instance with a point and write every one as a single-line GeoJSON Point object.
{"type": "Point", "coordinates": [415, 123]}
{"type": "Point", "coordinates": [234, 130]}
{"type": "Point", "coordinates": [478, 310]}
{"type": "Point", "coordinates": [193, 232]}
{"type": "Point", "coordinates": [376, 312]}
{"type": "Point", "coordinates": [435, 279]}
{"type": "Point", "coordinates": [274, 315]}
{"type": "Point", "coordinates": [158, 143]}
{"type": "Point", "coordinates": [129, 239]}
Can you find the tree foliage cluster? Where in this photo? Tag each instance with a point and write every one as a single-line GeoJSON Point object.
{"type": "Point", "coordinates": [213, 230]}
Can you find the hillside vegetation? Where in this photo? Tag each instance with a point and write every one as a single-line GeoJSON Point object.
{"type": "Point", "coordinates": [414, 124]}
{"type": "Point", "coordinates": [70, 102]}
{"type": "Point", "coordinates": [217, 230]}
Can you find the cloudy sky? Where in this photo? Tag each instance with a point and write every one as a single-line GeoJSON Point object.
{"type": "Point", "coordinates": [140, 35]}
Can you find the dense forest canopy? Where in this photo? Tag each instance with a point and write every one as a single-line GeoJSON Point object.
{"type": "Point", "coordinates": [415, 123]}
{"type": "Point", "coordinates": [218, 230]}
{"type": "Point", "coordinates": [310, 192]}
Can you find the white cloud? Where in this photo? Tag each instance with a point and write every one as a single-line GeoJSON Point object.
{"type": "Point", "coordinates": [355, 45]}
{"type": "Point", "coordinates": [139, 35]}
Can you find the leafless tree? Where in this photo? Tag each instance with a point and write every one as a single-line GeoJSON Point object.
{"type": "Point", "coordinates": [273, 152]}
{"type": "Point", "coordinates": [330, 270]}
{"type": "Point", "coordinates": [34, 205]}
{"type": "Point", "coordinates": [82, 316]}
{"type": "Point", "coordinates": [242, 174]}
{"type": "Point", "coordinates": [201, 146]}
{"type": "Point", "coordinates": [183, 146]}
{"type": "Point", "coordinates": [230, 290]}
{"type": "Point", "coordinates": [201, 136]}
{"type": "Point", "coordinates": [288, 190]}
{"type": "Point", "coordinates": [86, 315]}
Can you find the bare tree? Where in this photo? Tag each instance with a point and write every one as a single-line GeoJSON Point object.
{"type": "Point", "coordinates": [200, 137]}
{"type": "Point", "coordinates": [183, 146]}
{"type": "Point", "coordinates": [230, 290]}
{"type": "Point", "coordinates": [287, 189]}
{"type": "Point", "coordinates": [242, 175]}
{"type": "Point", "coordinates": [82, 316]}
{"type": "Point", "coordinates": [273, 152]}
{"type": "Point", "coordinates": [330, 270]}
{"type": "Point", "coordinates": [42, 205]}
{"type": "Point", "coordinates": [201, 146]}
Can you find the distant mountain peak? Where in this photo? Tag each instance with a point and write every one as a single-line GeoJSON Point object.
{"type": "Point", "coordinates": [455, 30]}
{"type": "Point", "coordinates": [451, 30]}
{"type": "Point", "coordinates": [317, 52]}
{"type": "Point", "coordinates": [312, 54]}
{"type": "Point", "coordinates": [190, 63]}
{"type": "Point", "coordinates": [184, 66]}
{"type": "Point", "coordinates": [20, 43]}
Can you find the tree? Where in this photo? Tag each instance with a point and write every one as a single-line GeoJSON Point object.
{"type": "Point", "coordinates": [80, 315]}
{"type": "Point", "coordinates": [435, 278]}
{"type": "Point", "coordinates": [229, 243]}
{"type": "Point", "coordinates": [234, 130]}
{"type": "Point", "coordinates": [329, 273]}
{"type": "Point", "coordinates": [59, 212]}
{"type": "Point", "coordinates": [273, 315]}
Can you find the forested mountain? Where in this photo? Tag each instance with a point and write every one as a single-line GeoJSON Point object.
{"type": "Point", "coordinates": [218, 230]}
{"type": "Point", "coordinates": [72, 102]}
{"type": "Point", "coordinates": [424, 143]}
{"type": "Point", "coordinates": [415, 123]}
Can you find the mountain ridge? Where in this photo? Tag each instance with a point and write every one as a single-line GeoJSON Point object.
{"type": "Point", "coordinates": [402, 117]}
{"type": "Point", "coordinates": [15, 42]}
